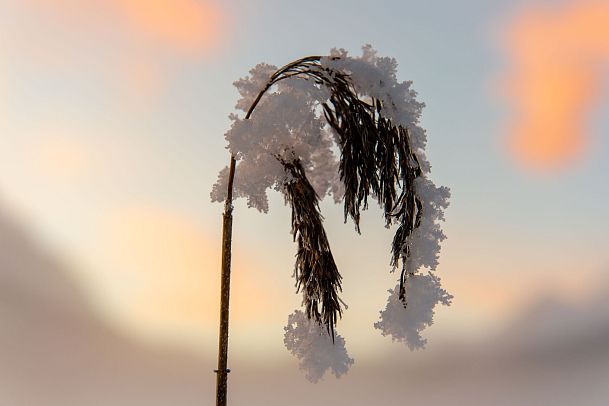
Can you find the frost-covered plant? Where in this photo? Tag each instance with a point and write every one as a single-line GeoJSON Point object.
{"type": "Point", "coordinates": [315, 349]}
{"type": "Point", "coordinates": [424, 292]}
{"type": "Point", "coordinates": [307, 111]}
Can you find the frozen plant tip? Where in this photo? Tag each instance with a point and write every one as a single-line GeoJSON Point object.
{"type": "Point", "coordinates": [316, 351]}
{"type": "Point", "coordinates": [424, 293]}
{"type": "Point", "coordinates": [304, 112]}
{"type": "Point", "coordinates": [315, 271]}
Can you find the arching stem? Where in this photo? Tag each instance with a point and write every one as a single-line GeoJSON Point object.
{"type": "Point", "coordinates": [227, 230]}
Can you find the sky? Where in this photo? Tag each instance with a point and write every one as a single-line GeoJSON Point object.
{"type": "Point", "coordinates": [112, 122]}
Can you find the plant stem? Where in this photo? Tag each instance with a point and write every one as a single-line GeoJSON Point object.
{"type": "Point", "coordinates": [227, 227]}
{"type": "Point", "coordinates": [227, 231]}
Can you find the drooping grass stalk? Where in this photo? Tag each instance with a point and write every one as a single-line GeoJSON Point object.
{"type": "Point", "coordinates": [315, 271]}
{"type": "Point", "coordinates": [376, 160]}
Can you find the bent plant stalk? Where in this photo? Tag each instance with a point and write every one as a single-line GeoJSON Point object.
{"type": "Point", "coordinates": [376, 156]}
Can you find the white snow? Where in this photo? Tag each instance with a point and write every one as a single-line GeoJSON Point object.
{"type": "Point", "coordinates": [423, 293]}
{"type": "Point", "coordinates": [424, 242]}
{"type": "Point", "coordinates": [311, 343]}
{"type": "Point", "coordinates": [376, 76]}
{"type": "Point", "coordinates": [288, 117]}
{"type": "Point", "coordinates": [289, 120]}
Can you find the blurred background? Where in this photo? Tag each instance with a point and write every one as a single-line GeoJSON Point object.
{"type": "Point", "coordinates": [112, 115]}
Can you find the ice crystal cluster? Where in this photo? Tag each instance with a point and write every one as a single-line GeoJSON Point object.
{"type": "Point", "coordinates": [343, 127]}
{"type": "Point", "coordinates": [406, 324]}
{"type": "Point", "coordinates": [311, 343]}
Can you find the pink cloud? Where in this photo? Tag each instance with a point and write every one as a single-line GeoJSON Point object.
{"type": "Point", "coordinates": [185, 25]}
{"type": "Point", "coordinates": [556, 57]}
{"type": "Point", "coordinates": [128, 47]}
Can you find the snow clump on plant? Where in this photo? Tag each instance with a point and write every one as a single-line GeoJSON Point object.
{"type": "Point", "coordinates": [311, 343]}
{"type": "Point", "coordinates": [344, 127]}
{"type": "Point", "coordinates": [405, 324]}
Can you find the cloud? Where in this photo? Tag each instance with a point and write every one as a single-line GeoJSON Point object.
{"type": "Point", "coordinates": [185, 25]}
{"type": "Point", "coordinates": [161, 271]}
{"type": "Point", "coordinates": [557, 58]}
{"type": "Point", "coordinates": [132, 48]}
{"type": "Point", "coordinates": [55, 350]}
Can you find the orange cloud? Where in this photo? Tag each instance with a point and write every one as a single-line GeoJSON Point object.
{"type": "Point", "coordinates": [134, 46]}
{"type": "Point", "coordinates": [185, 25]}
{"type": "Point", "coordinates": [557, 58]}
{"type": "Point", "coordinates": [161, 271]}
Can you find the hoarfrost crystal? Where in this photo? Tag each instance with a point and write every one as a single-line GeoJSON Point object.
{"type": "Point", "coordinates": [405, 324]}
{"type": "Point", "coordinates": [313, 110]}
{"type": "Point", "coordinates": [310, 342]}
